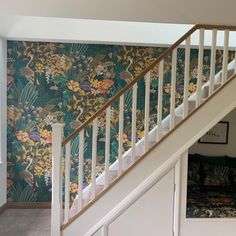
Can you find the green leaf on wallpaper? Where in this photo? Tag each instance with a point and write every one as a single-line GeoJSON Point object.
{"type": "Point", "coordinates": [31, 125]}
{"type": "Point", "coordinates": [19, 194]}
{"type": "Point", "coordinates": [46, 110]}
{"type": "Point", "coordinates": [128, 99]}
{"type": "Point", "coordinates": [75, 146]}
{"type": "Point", "coordinates": [78, 48]}
{"type": "Point", "coordinates": [16, 91]}
{"type": "Point", "coordinates": [115, 90]}
{"type": "Point", "coordinates": [28, 95]}
{"type": "Point", "coordinates": [80, 78]}
{"type": "Point", "coordinates": [59, 80]}
{"type": "Point", "coordinates": [154, 83]}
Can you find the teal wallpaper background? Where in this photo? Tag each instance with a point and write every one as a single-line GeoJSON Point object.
{"type": "Point", "coordinates": [62, 82]}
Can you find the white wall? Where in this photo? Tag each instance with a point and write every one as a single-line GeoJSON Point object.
{"type": "Point", "coordinates": [220, 149]}
{"type": "Point", "coordinates": [3, 135]}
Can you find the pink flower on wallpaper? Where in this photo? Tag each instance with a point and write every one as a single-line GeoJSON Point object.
{"type": "Point", "coordinates": [10, 80]}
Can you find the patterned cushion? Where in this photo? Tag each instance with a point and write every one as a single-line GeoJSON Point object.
{"type": "Point", "coordinates": [210, 170]}
{"type": "Point", "coordinates": [216, 175]}
{"type": "Point", "coordinates": [193, 171]}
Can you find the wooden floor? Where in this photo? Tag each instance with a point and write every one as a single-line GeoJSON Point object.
{"type": "Point", "coordinates": [25, 222]}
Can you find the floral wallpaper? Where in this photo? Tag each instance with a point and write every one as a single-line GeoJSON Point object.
{"type": "Point", "coordinates": [60, 82]}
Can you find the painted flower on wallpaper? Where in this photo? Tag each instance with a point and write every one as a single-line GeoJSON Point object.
{"type": "Point", "coordinates": [74, 86]}
{"type": "Point", "coordinates": [22, 136]}
{"type": "Point", "coordinates": [55, 82]}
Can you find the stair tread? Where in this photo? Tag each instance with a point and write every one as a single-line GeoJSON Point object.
{"type": "Point", "coordinates": [178, 118]}
{"type": "Point", "coordinates": [205, 89]}
{"type": "Point", "coordinates": [112, 175]}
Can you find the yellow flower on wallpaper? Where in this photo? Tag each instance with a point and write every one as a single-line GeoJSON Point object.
{"type": "Point", "coordinates": [22, 136]}
{"type": "Point", "coordinates": [73, 187]}
{"type": "Point", "coordinates": [192, 87]}
{"type": "Point", "coordinates": [45, 133]}
{"type": "Point", "coordinates": [38, 170]}
{"type": "Point", "coordinates": [140, 134]}
{"type": "Point", "coordinates": [73, 85]}
{"type": "Point", "coordinates": [39, 68]}
{"type": "Point", "coordinates": [167, 88]}
{"type": "Point", "coordinates": [95, 83]}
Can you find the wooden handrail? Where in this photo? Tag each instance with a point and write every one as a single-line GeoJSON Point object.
{"type": "Point", "coordinates": [217, 27]}
{"type": "Point", "coordinates": [143, 73]}
{"type": "Point", "coordinates": [217, 91]}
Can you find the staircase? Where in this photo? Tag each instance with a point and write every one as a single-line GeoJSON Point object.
{"type": "Point", "coordinates": [126, 180]}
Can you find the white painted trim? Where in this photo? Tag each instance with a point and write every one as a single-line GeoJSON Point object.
{"type": "Point", "coordinates": [147, 78]}
{"type": "Point", "coordinates": [3, 121]}
{"type": "Point", "coordinates": [200, 66]}
{"type": "Point", "coordinates": [67, 181]}
{"type": "Point", "coordinates": [160, 100]}
{"type": "Point", "coordinates": [94, 158]}
{"type": "Point", "coordinates": [56, 212]}
{"type": "Point", "coordinates": [107, 146]}
{"type": "Point", "coordinates": [210, 220]}
{"type": "Point", "coordinates": [120, 141]}
{"type": "Point", "coordinates": [177, 192]}
{"type": "Point", "coordinates": [225, 56]}
{"type": "Point", "coordinates": [81, 170]}
{"type": "Point", "coordinates": [173, 88]}
{"type": "Point", "coordinates": [184, 187]}
{"type": "Point", "coordinates": [186, 77]}
{"type": "Point", "coordinates": [135, 194]}
{"type": "Point", "coordinates": [184, 180]}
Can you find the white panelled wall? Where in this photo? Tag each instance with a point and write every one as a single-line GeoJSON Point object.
{"type": "Point", "coordinates": [152, 214]}
{"type": "Point", "coordinates": [3, 101]}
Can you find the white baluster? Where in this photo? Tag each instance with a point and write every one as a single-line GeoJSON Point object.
{"type": "Point", "coordinates": [94, 158]}
{"type": "Point", "coordinates": [235, 63]}
{"type": "Point", "coordinates": [200, 65]}
{"type": "Point", "coordinates": [160, 96]}
{"type": "Point", "coordinates": [57, 137]}
{"type": "Point", "coordinates": [186, 77]}
{"type": "Point", "coordinates": [121, 125]}
{"type": "Point", "coordinates": [107, 144]}
{"type": "Point", "coordinates": [67, 182]}
{"type": "Point", "coordinates": [173, 89]}
{"type": "Point", "coordinates": [225, 56]}
{"type": "Point", "coordinates": [213, 62]}
{"type": "Point", "coordinates": [133, 132]}
{"type": "Point", "coordinates": [81, 170]}
{"type": "Point", "coordinates": [146, 119]}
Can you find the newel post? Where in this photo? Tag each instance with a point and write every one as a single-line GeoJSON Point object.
{"type": "Point", "coordinates": [57, 138]}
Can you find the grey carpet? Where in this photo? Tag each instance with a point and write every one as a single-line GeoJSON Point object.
{"type": "Point", "coordinates": [25, 222]}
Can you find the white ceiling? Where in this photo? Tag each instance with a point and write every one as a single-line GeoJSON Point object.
{"type": "Point", "coordinates": [162, 11]}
